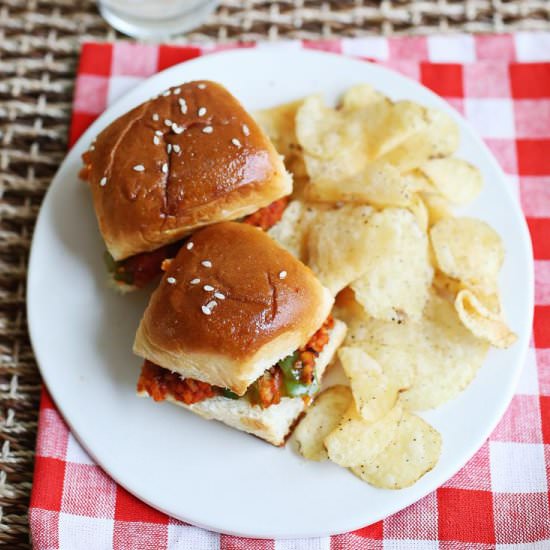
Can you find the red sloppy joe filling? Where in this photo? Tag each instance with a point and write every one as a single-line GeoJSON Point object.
{"type": "Point", "coordinates": [268, 216]}
{"type": "Point", "coordinates": [293, 376]}
{"type": "Point", "coordinates": [159, 383]}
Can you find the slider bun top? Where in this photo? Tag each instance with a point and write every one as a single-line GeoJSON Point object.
{"type": "Point", "coordinates": [232, 303]}
{"type": "Point", "coordinates": [221, 166]}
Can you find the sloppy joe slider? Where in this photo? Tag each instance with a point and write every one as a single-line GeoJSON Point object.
{"type": "Point", "coordinates": [188, 158]}
{"type": "Point", "coordinates": [238, 331]}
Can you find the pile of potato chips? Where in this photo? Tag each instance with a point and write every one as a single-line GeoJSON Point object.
{"type": "Point", "coordinates": [371, 214]}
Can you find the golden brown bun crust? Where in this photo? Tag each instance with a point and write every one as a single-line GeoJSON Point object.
{"type": "Point", "coordinates": [261, 319]}
{"type": "Point", "coordinates": [209, 177]}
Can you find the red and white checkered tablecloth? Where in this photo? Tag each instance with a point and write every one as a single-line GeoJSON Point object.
{"type": "Point", "coordinates": [500, 499]}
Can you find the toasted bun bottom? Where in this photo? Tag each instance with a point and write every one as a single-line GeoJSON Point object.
{"type": "Point", "coordinates": [274, 423]}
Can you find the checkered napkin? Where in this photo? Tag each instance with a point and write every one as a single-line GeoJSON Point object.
{"type": "Point", "coordinates": [500, 499]}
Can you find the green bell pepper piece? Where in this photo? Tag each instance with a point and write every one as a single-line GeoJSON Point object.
{"type": "Point", "coordinates": [226, 392]}
{"type": "Point", "coordinates": [294, 387]}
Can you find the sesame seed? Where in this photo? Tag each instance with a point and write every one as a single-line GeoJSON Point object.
{"type": "Point", "coordinates": [164, 168]}
{"type": "Point", "coordinates": [158, 133]}
{"type": "Point", "coordinates": [171, 281]}
{"type": "Point", "coordinates": [236, 142]}
{"type": "Point", "coordinates": [139, 168]}
{"type": "Point", "coordinates": [195, 281]}
{"type": "Point", "coordinates": [211, 304]}
{"type": "Point", "coordinates": [169, 148]}
{"type": "Point", "coordinates": [190, 245]}
{"type": "Point", "coordinates": [206, 263]}
{"type": "Point", "coordinates": [201, 111]}
{"type": "Point", "coordinates": [155, 117]}
{"type": "Point", "coordinates": [168, 122]}
{"type": "Point", "coordinates": [103, 181]}
{"type": "Point", "coordinates": [156, 140]}
{"type": "Point", "coordinates": [177, 148]}
{"type": "Point", "coordinates": [246, 130]}
{"type": "Point", "coordinates": [92, 147]}
{"type": "Point", "coordinates": [219, 295]}
{"type": "Point", "coordinates": [177, 129]}
{"type": "Point", "coordinates": [183, 105]}
{"type": "Point", "coordinates": [177, 90]}
{"type": "Point", "coordinates": [282, 275]}
{"type": "Point", "coordinates": [206, 311]}
{"type": "Point", "coordinates": [208, 130]}
{"type": "Point", "coordinates": [166, 93]}
{"type": "Point", "coordinates": [201, 86]}
{"type": "Point", "coordinates": [208, 288]}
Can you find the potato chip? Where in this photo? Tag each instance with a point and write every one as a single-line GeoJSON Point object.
{"type": "Point", "coordinates": [320, 420]}
{"type": "Point", "coordinates": [410, 154]}
{"type": "Point", "coordinates": [279, 123]}
{"type": "Point", "coordinates": [390, 344]}
{"type": "Point", "coordinates": [419, 210]}
{"type": "Point", "coordinates": [443, 133]}
{"type": "Point", "coordinates": [396, 271]}
{"type": "Point", "coordinates": [414, 451]}
{"type": "Point", "coordinates": [481, 321]}
{"type": "Point", "coordinates": [338, 245]}
{"type": "Point", "coordinates": [417, 181]}
{"type": "Point", "coordinates": [346, 306]}
{"type": "Point", "coordinates": [373, 391]}
{"type": "Point", "coordinates": [339, 144]}
{"type": "Point", "coordinates": [446, 287]}
{"type": "Point", "coordinates": [372, 109]}
{"type": "Point", "coordinates": [326, 133]}
{"type": "Point", "coordinates": [397, 364]}
{"type": "Point", "coordinates": [292, 229]}
{"type": "Point", "coordinates": [446, 356]}
{"type": "Point", "coordinates": [469, 250]}
{"type": "Point", "coordinates": [437, 207]}
{"type": "Point", "coordinates": [435, 358]}
{"type": "Point", "coordinates": [356, 441]}
{"type": "Point", "coordinates": [378, 184]}
{"type": "Point", "coordinates": [329, 171]}
{"type": "Point", "coordinates": [404, 120]}
{"type": "Point", "coordinates": [386, 124]}
{"type": "Point", "coordinates": [362, 96]}
{"type": "Point", "coordinates": [457, 180]}
{"type": "Point", "coordinates": [489, 298]}
{"type": "Point", "coordinates": [440, 138]}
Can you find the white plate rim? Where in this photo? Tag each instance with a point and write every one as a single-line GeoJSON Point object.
{"type": "Point", "coordinates": [315, 56]}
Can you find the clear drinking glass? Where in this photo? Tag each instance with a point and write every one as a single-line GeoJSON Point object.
{"type": "Point", "coordinates": [155, 18]}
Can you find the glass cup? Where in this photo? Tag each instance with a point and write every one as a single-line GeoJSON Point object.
{"type": "Point", "coordinates": [155, 18]}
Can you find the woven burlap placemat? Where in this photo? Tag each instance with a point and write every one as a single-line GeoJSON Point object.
{"type": "Point", "coordinates": [39, 45]}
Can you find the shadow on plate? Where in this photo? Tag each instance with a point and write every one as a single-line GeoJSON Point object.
{"type": "Point", "coordinates": [75, 225]}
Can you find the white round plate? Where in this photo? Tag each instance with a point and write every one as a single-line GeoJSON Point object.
{"type": "Point", "coordinates": [203, 472]}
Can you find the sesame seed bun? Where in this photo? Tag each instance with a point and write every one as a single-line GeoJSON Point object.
{"type": "Point", "coordinates": [190, 157]}
{"type": "Point", "coordinates": [231, 307]}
